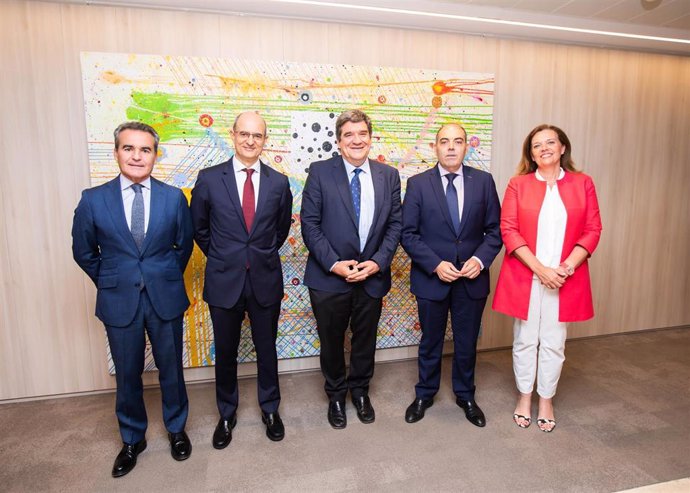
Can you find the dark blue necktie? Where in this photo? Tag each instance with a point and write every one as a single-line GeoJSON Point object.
{"type": "Point", "coordinates": [452, 200]}
{"type": "Point", "coordinates": [356, 189]}
{"type": "Point", "coordinates": [137, 220]}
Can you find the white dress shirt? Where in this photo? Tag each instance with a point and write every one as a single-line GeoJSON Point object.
{"type": "Point", "coordinates": [241, 177]}
{"type": "Point", "coordinates": [551, 225]}
{"type": "Point", "coordinates": [459, 184]}
{"type": "Point", "coordinates": [128, 199]}
{"type": "Point", "coordinates": [366, 211]}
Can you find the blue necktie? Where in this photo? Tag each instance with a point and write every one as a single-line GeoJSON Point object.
{"type": "Point", "coordinates": [452, 199]}
{"type": "Point", "coordinates": [137, 221]}
{"type": "Point", "coordinates": [356, 189]}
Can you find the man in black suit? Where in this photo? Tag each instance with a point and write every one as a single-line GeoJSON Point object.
{"type": "Point", "coordinates": [133, 237]}
{"type": "Point", "coordinates": [351, 223]}
{"type": "Point", "coordinates": [242, 211]}
{"type": "Point", "coordinates": [451, 219]}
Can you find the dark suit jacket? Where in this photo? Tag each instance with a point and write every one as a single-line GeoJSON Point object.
{"type": "Point", "coordinates": [428, 235]}
{"type": "Point", "coordinates": [103, 246]}
{"type": "Point", "coordinates": [329, 225]}
{"type": "Point", "coordinates": [231, 250]}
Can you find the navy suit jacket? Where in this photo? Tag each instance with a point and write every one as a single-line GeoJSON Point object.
{"type": "Point", "coordinates": [103, 246]}
{"type": "Point", "coordinates": [232, 251]}
{"type": "Point", "coordinates": [428, 235]}
{"type": "Point", "coordinates": [329, 226]}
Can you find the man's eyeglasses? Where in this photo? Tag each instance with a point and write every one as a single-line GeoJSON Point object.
{"type": "Point", "coordinates": [245, 136]}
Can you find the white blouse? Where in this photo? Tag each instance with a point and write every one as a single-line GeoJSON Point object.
{"type": "Point", "coordinates": [551, 225]}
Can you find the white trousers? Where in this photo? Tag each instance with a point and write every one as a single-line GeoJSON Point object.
{"type": "Point", "coordinates": [539, 343]}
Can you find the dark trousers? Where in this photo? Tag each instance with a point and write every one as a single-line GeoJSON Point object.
{"type": "Point", "coordinates": [334, 312]}
{"type": "Point", "coordinates": [227, 324]}
{"type": "Point", "coordinates": [127, 345]}
{"type": "Point", "coordinates": [465, 319]}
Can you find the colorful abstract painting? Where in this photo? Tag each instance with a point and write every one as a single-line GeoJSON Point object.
{"type": "Point", "coordinates": [192, 103]}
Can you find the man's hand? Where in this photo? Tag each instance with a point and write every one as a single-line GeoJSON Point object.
{"type": "Point", "coordinates": [344, 268]}
{"type": "Point", "coordinates": [363, 270]}
{"type": "Point", "coordinates": [471, 269]}
{"type": "Point", "coordinates": [447, 271]}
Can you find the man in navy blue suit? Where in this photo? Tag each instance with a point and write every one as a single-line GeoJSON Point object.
{"type": "Point", "coordinates": [351, 224]}
{"type": "Point", "coordinates": [451, 218]}
{"type": "Point", "coordinates": [133, 237]}
{"type": "Point", "coordinates": [242, 211]}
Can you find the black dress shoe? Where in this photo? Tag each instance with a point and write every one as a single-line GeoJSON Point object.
{"type": "Point", "coordinates": [127, 458]}
{"type": "Point", "coordinates": [274, 426]}
{"type": "Point", "coordinates": [336, 415]}
{"type": "Point", "coordinates": [415, 411]}
{"type": "Point", "coordinates": [223, 433]}
{"type": "Point", "coordinates": [473, 412]}
{"type": "Point", "coordinates": [180, 445]}
{"type": "Point", "coordinates": [365, 411]}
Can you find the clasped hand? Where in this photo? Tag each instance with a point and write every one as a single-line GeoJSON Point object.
{"type": "Point", "coordinates": [447, 272]}
{"type": "Point", "coordinates": [552, 278]}
{"type": "Point", "coordinates": [354, 271]}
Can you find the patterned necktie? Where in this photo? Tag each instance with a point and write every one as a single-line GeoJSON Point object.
{"type": "Point", "coordinates": [137, 219]}
{"type": "Point", "coordinates": [356, 190]}
{"type": "Point", "coordinates": [452, 199]}
{"type": "Point", "coordinates": [248, 200]}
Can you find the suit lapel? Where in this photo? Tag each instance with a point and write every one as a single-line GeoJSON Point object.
{"type": "Point", "coordinates": [437, 187]}
{"type": "Point", "coordinates": [264, 186]}
{"type": "Point", "coordinates": [379, 189]}
{"type": "Point", "coordinates": [116, 208]}
{"type": "Point", "coordinates": [468, 195]}
{"type": "Point", "coordinates": [343, 185]}
{"type": "Point", "coordinates": [231, 186]}
{"type": "Point", "coordinates": [157, 205]}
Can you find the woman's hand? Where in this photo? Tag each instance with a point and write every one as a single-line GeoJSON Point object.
{"type": "Point", "coordinates": [550, 277]}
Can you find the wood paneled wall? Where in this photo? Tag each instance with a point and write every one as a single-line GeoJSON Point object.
{"type": "Point", "coordinates": [626, 113]}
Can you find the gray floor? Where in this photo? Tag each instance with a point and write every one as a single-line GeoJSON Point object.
{"type": "Point", "coordinates": [623, 413]}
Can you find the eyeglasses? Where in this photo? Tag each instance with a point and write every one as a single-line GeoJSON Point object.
{"type": "Point", "coordinates": [242, 136]}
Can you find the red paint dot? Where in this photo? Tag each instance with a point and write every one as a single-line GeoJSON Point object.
{"type": "Point", "coordinates": [206, 120]}
{"type": "Point", "coordinates": [382, 99]}
{"type": "Point", "coordinates": [278, 159]}
{"type": "Point", "coordinates": [381, 158]}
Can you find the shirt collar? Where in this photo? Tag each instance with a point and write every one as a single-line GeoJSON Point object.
{"type": "Point", "coordinates": [350, 167]}
{"type": "Point", "coordinates": [238, 166]}
{"type": "Point", "coordinates": [125, 182]}
{"type": "Point", "coordinates": [561, 174]}
{"type": "Point", "coordinates": [444, 171]}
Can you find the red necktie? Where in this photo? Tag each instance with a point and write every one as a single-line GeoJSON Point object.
{"type": "Point", "coordinates": [248, 200]}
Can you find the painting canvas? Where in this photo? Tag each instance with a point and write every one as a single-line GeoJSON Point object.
{"type": "Point", "coordinates": [192, 103]}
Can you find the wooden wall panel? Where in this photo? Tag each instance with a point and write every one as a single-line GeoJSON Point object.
{"type": "Point", "coordinates": [625, 112]}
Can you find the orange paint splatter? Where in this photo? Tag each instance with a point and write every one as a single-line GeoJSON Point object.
{"type": "Point", "coordinates": [113, 77]}
{"type": "Point", "coordinates": [436, 101]}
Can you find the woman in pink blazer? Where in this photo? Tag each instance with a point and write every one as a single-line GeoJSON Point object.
{"type": "Point", "coordinates": [550, 225]}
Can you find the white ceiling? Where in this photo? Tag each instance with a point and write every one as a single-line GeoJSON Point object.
{"type": "Point", "coordinates": [647, 25]}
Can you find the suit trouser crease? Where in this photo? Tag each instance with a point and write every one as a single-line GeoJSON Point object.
{"type": "Point", "coordinates": [334, 312]}
{"type": "Point", "coordinates": [127, 346]}
{"type": "Point", "coordinates": [227, 330]}
{"type": "Point", "coordinates": [466, 315]}
{"type": "Point", "coordinates": [539, 343]}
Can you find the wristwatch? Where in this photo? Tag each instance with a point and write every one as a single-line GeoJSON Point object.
{"type": "Point", "coordinates": [568, 269]}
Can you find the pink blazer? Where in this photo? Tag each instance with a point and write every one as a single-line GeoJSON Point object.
{"type": "Point", "coordinates": [519, 216]}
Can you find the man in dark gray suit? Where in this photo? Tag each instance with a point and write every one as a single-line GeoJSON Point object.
{"type": "Point", "coordinates": [351, 222]}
